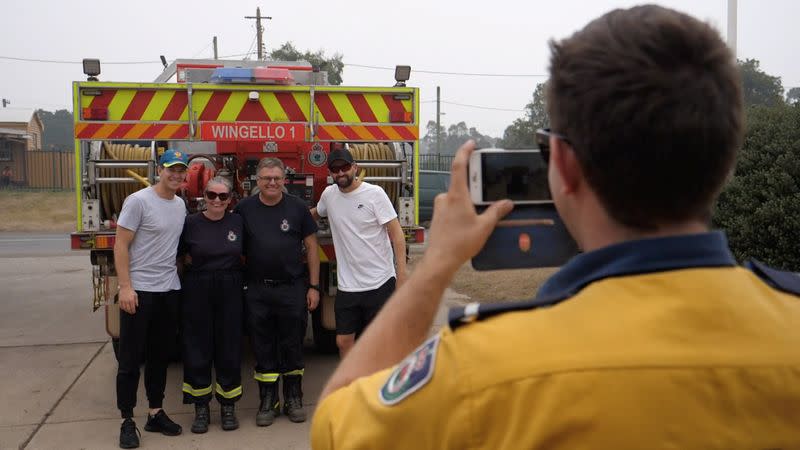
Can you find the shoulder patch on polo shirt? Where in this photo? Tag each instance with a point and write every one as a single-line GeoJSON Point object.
{"type": "Point", "coordinates": [411, 374]}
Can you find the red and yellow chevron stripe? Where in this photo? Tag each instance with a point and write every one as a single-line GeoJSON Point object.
{"type": "Point", "coordinates": [326, 253]}
{"type": "Point", "coordinates": [131, 131]}
{"type": "Point", "coordinates": [366, 133]}
{"type": "Point", "coordinates": [159, 111]}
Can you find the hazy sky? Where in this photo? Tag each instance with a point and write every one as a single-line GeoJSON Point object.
{"type": "Point", "coordinates": [497, 37]}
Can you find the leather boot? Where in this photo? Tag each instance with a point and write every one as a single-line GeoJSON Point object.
{"type": "Point", "coordinates": [293, 398]}
{"type": "Point", "coordinates": [202, 417]}
{"type": "Point", "coordinates": [227, 415]}
{"type": "Point", "coordinates": [268, 409]}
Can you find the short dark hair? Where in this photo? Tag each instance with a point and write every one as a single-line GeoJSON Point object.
{"type": "Point", "coordinates": [651, 101]}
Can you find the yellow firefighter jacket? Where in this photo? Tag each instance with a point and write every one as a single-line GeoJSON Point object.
{"type": "Point", "coordinates": [653, 344]}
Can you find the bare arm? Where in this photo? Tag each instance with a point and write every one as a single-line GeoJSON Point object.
{"type": "Point", "coordinates": [128, 300]}
{"type": "Point", "coordinates": [315, 214]}
{"type": "Point", "coordinates": [457, 233]}
{"type": "Point", "coordinates": [398, 239]}
{"type": "Point", "coordinates": [312, 258]}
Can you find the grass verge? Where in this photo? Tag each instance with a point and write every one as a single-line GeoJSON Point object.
{"type": "Point", "coordinates": [37, 211]}
{"type": "Point", "coordinates": [497, 285]}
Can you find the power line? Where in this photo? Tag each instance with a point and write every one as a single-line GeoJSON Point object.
{"type": "Point", "coordinates": [436, 72]}
{"type": "Point", "coordinates": [483, 107]}
{"type": "Point", "coordinates": [52, 61]}
{"type": "Point", "coordinates": [202, 49]}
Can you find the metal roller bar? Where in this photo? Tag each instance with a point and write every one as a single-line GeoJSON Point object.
{"type": "Point", "coordinates": [397, 179]}
{"type": "Point", "coordinates": [110, 180]}
{"type": "Point", "coordinates": [369, 163]}
{"type": "Point", "coordinates": [122, 164]}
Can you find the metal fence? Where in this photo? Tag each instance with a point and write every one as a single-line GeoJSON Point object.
{"type": "Point", "coordinates": [431, 161]}
{"type": "Point", "coordinates": [46, 170]}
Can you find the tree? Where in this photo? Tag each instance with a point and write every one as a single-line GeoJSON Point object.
{"type": "Point", "coordinates": [452, 138]}
{"type": "Point", "coordinates": [332, 65]}
{"type": "Point", "coordinates": [760, 207]}
{"type": "Point", "coordinates": [58, 133]}
{"type": "Point", "coordinates": [793, 96]}
{"type": "Point", "coordinates": [428, 141]}
{"type": "Point", "coordinates": [520, 134]}
{"type": "Point", "coordinates": [759, 87]}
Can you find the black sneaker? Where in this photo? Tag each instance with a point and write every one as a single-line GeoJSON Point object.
{"type": "Point", "coordinates": [161, 423]}
{"type": "Point", "coordinates": [128, 434]}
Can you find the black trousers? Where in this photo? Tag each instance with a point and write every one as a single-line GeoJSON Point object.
{"type": "Point", "coordinates": [277, 317]}
{"type": "Point", "coordinates": [148, 336]}
{"type": "Point", "coordinates": [212, 336]}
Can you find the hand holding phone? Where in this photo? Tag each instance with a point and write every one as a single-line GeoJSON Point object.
{"type": "Point", "coordinates": [532, 235]}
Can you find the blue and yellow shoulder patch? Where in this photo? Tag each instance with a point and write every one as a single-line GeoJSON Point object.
{"type": "Point", "coordinates": [411, 374]}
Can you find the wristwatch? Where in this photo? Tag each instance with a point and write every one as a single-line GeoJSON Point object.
{"type": "Point", "coordinates": [315, 287]}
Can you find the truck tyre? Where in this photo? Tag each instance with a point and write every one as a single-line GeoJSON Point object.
{"type": "Point", "coordinates": [324, 339]}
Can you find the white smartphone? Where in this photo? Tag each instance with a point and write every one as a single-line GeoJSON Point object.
{"type": "Point", "coordinates": [518, 175]}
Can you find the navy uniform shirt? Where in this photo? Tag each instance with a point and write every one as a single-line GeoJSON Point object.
{"type": "Point", "coordinates": [273, 243]}
{"type": "Point", "coordinates": [651, 344]}
{"type": "Point", "coordinates": [213, 244]}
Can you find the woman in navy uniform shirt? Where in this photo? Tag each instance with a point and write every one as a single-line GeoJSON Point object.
{"type": "Point", "coordinates": [212, 307]}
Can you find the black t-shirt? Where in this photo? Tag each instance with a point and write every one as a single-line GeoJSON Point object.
{"type": "Point", "coordinates": [213, 244]}
{"type": "Point", "coordinates": [273, 236]}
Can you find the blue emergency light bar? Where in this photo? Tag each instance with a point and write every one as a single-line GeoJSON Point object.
{"type": "Point", "coordinates": [245, 75]}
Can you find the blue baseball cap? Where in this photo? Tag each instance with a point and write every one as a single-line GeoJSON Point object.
{"type": "Point", "coordinates": [173, 157]}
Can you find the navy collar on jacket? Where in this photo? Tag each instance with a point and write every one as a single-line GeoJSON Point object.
{"type": "Point", "coordinates": [637, 257]}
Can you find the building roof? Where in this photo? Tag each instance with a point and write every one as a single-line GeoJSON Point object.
{"type": "Point", "coordinates": [4, 132]}
{"type": "Point", "coordinates": [17, 115]}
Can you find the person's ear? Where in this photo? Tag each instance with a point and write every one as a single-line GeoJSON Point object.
{"type": "Point", "coordinates": [566, 164]}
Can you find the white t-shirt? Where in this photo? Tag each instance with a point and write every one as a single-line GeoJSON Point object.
{"type": "Point", "coordinates": [364, 255]}
{"type": "Point", "coordinates": [157, 224]}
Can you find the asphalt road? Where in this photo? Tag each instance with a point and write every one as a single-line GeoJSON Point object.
{"type": "Point", "coordinates": [58, 367]}
{"type": "Point", "coordinates": [14, 245]}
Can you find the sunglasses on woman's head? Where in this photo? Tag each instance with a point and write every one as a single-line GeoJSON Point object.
{"type": "Point", "coordinates": [213, 195]}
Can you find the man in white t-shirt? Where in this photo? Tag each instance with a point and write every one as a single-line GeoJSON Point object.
{"type": "Point", "coordinates": [370, 247]}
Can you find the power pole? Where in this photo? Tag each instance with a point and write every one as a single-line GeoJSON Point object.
{"type": "Point", "coordinates": [732, 26]}
{"type": "Point", "coordinates": [438, 126]}
{"type": "Point", "coordinates": [259, 31]}
{"type": "Point", "coordinates": [215, 48]}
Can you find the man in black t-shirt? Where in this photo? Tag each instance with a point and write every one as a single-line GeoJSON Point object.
{"type": "Point", "coordinates": [277, 227]}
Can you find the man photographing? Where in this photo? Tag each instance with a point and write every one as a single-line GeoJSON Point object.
{"type": "Point", "coordinates": [653, 337]}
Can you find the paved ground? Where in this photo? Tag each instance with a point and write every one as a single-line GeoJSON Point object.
{"type": "Point", "coordinates": [58, 368]}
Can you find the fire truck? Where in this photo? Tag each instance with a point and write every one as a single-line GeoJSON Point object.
{"type": "Point", "coordinates": [227, 115]}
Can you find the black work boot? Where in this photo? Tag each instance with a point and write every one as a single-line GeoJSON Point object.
{"type": "Point", "coordinates": [268, 409]}
{"type": "Point", "coordinates": [202, 417]}
{"type": "Point", "coordinates": [161, 423]}
{"type": "Point", "coordinates": [293, 398]}
{"type": "Point", "coordinates": [128, 434]}
{"type": "Point", "coordinates": [227, 413]}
